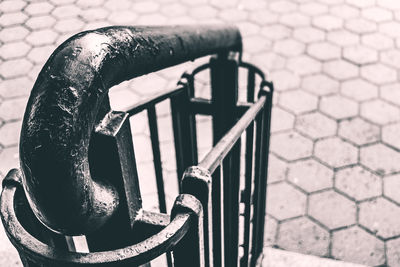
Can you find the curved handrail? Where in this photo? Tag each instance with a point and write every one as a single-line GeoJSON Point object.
{"type": "Point", "coordinates": [135, 254]}
{"type": "Point", "coordinates": [63, 107]}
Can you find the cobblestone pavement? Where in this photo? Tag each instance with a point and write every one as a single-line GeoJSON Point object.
{"type": "Point", "coordinates": [334, 176]}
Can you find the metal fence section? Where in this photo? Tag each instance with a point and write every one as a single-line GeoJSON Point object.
{"type": "Point", "coordinates": [78, 171]}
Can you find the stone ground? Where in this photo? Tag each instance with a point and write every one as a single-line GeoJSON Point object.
{"type": "Point", "coordinates": [334, 173]}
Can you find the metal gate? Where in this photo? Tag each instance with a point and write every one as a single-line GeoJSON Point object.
{"type": "Point", "coordinates": [78, 172]}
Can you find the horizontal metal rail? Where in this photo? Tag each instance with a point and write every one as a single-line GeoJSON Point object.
{"type": "Point", "coordinates": [214, 158]}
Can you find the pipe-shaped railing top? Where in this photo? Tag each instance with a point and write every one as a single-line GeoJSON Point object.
{"type": "Point", "coordinates": [65, 102]}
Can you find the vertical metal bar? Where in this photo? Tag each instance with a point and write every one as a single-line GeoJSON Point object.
{"type": "Point", "coordinates": [197, 182]}
{"type": "Point", "coordinates": [251, 78]}
{"type": "Point", "coordinates": [260, 213]}
{"type": "Point", "coordinates": [190, 250]}
{"type": "Point", "coordinates": [246, 196]}
{"type": "Point", "coordinates": [224, 83]}
{"type": "Point", "coordinates": [257, 169]}
{"type": "Point", "coordinates": [217, 231]}
{"type": "Point", "coordinates": [155, 144]}
{"type": "Point", "coordinates": [231, 204]}
{"type": "Point", "coordinates": [184, 131]}
{"type": "Point", "coordinates": [259, 199]}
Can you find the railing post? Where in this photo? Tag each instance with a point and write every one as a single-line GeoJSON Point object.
{"type": "Point", "coordinates": [184, 128]}
{"type": "Point", "coordinates": [259, 197]}
{"type": "Point", "coordinates": [197, 182]}
{"type": "Point", "coordinates": [190, 250]}
{"type": "Point", "coordinates": [224, 91]}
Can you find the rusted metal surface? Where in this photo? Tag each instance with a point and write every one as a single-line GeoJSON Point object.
{"type": "Point", "coordinates": [64, 104]}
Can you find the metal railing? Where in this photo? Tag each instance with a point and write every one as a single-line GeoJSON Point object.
{"type": "Point", "coordinates": [78, 170]}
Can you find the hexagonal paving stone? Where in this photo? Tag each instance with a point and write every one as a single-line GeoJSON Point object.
{"type": "Point", "coordinates": [361, 4]}
{"type": "Point", "coordinates": [295, 20]}
{"type": "Point", "coordinates": [11, 6]}
{"type": "Point", "coordinates": [15, 68]}
{"type": "Point", "coordinates": [340, 69]}
{"type": "Point", "coordinates": [343, 38]}
{"type": "Point", "coordinates": [40, 22]}
{"type": "Point", "coordinates": [38, 8]}
{"type": "Point", "coordinates": [332, 209]}
{"type": "Point", "coordinates": [41, 54]}
{"type": "Point", "coordinates": [298, 101]}
{"type": "Point", "coordinates": [146, 6]}
{"type": "Point", "coordinates": [315, 125]}
{"type": "Point", "coordinates": [380, 112]}
{"type": "Point", "coordinates": [281, 120]}
{"type": "Point", "coordinates": [320, 84]}
{"type": "Point", "coordinates": [94, 14]}
{"type": "Point", "coordinates": [391, 58]}
{"type": "Point", "coordinates": [377, 14]}
{"type": "Point", "coordinates": [377, 41]}
{"type": "Point", "coordinates": [256, 43]}
{"type": "Point", "coordinates": [310, 175]}
{"type": "Point", "coordinates": [13, 109]}
{"type": "Point", "coordinates": [269, 61]}
{"type": "Point", "coordinates": [289, 47]}
{"type": "Point", "coordinates": [14, 50]}
{"type": "Point", "coordinates": [335, 152]}
{"type": "Point", "coordinates": [282, 6]}
{"type": "Point", "coordinates": [378, 73]}
{"type": "Point", "coordinates": [358, 183]}
{"type": "Point", "coordinates": [359, 131]}
{"type": "Point", "coordinates": [359, 89]}
{"type": "Point", "coordinates": [15, 33]}
{"type": "Point", "coordinates": [12, 19]}
{"type": "Point", "coordinates": [390, 135]}
{"type": "Point", "coordinates": [276, 32]}
{"type": "Point", "coordinates": [263, 17]}
{"type": "Point", "coordinates": [390, 28]}
{"type": "Point", "coordinates": [360, 54]}
{"type": "Point", "coordinates": [284, 201]}
{"type": "Point", "coordinates": [277, 169]}
{"type": "Point", "coordinates": [391, 93]}
{"type": "Point", "coordinates": [360, 26]}
{"type": "Point", "coordinates": [356, 245]}
{"type": "Point", "coordinates": [391, 185]}
{"type": "Point", "coordinates": [233, 15]}
{"type": "Point", "coordinates": [271, 227]}
{"type": "Point", "coordinates": [380, 158]}
{"type": "Point", "coordinates": [15, 87]}
{"type": "Point", "coordinates": [303, 235]}
{"type": "Point", "coordinates": [308, 34]}
{"type": "Point", "coordinates": [9, 159]}
{"type": "Point", "coordinates": [345, 11]}
{"type": "Point", "coordinates": [9, 133]}
{"type": "Point", "coordinates": [323, 51]}
{"type": "Point", "coordinates": [381, 217]}
{"type": "Point", "coordinates": [66, 11]}
{"type": "Point", "coordinates": [313, 8]}
{"type": "Point", "coordinates": [42, 37]}
{"type": "Point", "coordinates": [327, 22]}
{"type": "Point", "coordinates": [203, 12]}
{"type": "Point", "coordinates": [389, 4]}
{"type": "Point", "coordinates": [303, 65]}
{"type": "Point", "coordinates": [392, 252]}
{"type": "Point", "coordinates": [291, 145]}
{"type": "Point", "coordinates": [69, 25]}
{"type": "Point", "coordinates": [284, 80]}
{"type": "Point", "coordinates": [338, 107]}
